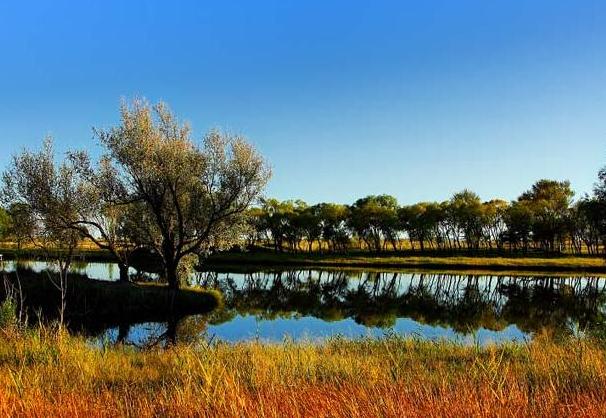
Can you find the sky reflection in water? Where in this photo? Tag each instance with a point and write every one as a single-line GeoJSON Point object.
{"type": "Point", "coordinates": [313, 305]}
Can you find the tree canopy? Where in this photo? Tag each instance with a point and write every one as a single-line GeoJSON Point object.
{"type": "Point", "coordinates": [154, 187]}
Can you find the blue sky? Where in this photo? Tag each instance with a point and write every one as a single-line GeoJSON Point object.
{"type": "Point", "coordinates": [345, 98]}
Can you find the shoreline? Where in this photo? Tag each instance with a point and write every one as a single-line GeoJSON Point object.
{"type": "Point", "coordinates": [444, 262]}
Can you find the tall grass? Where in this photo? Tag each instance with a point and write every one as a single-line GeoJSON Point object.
{"type": "Point", "coordinates": [44, 373]}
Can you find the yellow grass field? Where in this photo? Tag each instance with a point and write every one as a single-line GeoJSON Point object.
{"type": "Point", "coordinates": [563, 264]}
{"type": "Point", "coordinates": [44, 373]}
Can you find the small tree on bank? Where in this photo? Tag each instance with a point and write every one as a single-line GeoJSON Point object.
{"type": "Point", "coordinates": [43, 198]}
{"type": "Point", "coordinates": [189, 197]}
{"type": "Point", "coordinates": [69, 197]}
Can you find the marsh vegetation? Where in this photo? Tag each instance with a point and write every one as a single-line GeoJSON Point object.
{"type": "Point", "coordinates": [43, 373]}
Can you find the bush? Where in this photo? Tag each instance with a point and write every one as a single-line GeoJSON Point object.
{"type": "Point", "coordinates": [8, 313]}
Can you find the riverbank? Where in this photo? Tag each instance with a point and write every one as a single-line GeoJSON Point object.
{"type": "Point", "coordinates": [559, 264]}
{"type": "Point", "coordinates": [99, 304]}
{"type": "Point", "coordinates": [461, 262]}
{"type": "Point", "coordinates": [45, 373]}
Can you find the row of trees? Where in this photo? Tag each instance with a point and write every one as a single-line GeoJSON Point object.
{"type": "Point", "coordinates": [153, 189]}
{"type": "Point", "coordinates": [544, 217]}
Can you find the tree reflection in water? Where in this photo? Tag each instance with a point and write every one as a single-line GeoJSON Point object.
{"type": "Point", "coordinates": [465, 303]}
{"type": "Point", "coordinates": [462, 302]}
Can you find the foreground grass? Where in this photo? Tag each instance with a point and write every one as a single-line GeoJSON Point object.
{"type": "Point", "coordinates": [49, 374]}
{"type": "Point", "coordinates": [496, 263]}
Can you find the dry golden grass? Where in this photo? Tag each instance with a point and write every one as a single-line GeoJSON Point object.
{"type": "Point", "coordinates": [85, 245]}
{"type": "Point", "coordinates": [525, 265]}
{"type": "Point", "coordinates": [43, 374]}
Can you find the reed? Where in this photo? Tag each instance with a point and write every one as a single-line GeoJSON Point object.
{"type": "Point", "coordinates": [49, 373]}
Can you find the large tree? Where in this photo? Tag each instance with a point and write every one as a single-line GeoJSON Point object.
{"type": "Point", "coordinates": [189, 196]}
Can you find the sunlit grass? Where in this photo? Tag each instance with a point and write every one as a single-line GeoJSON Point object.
{"type": "Point", "coordinates": [443, 263]}
{"type": "Point", "coordinates": [43, 373]}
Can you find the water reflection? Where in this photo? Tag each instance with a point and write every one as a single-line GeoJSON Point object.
{"type": "Point", "coordinates": [470, 308]}
{"type": "Point", "coordinates": [315, 304]}
{"type": "Point", "coordinates": [464, 303]}
{"type": "Point", "coordinates": [94, 270]}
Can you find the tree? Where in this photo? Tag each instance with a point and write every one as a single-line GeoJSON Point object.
{"type": "Point", "coordinates": [5, 223]}
{"type": "Point", "coordinates": [493, 222]}
{"type": "Point", "coordinates": [599, 189]}
{"type": "Point", "coordinates": [549, 201]}
{"type": "Point", "coordinates": [21, 224]}
{"type": "Point", "coordinates": [295, 228]}
{"type": "Point", "coordinates": [374, 219]}
{"type": "Point", "coordinates": [596, 210]}
{"type": "Point", "coordinates": [333, 218]}
{"type": "Point", "coordinates": [587, 224]}
{"type": "Point", "coordinates": [191, 197]}
{"type": "Point", "coordinates": [256, 230]}
{"type": "Point", "coordinates": [466, 209]}
{"type": "Point", "coordinates": [419, 221]}
{"type": "Point", "coordinates": [45, 194]}
{"type": "Point", "coordinates": [519, 219]}
{"type": "Point", "coordinates": [88, 208]}
{"type": "Point", "coordinates": [310, 223]}
{"type": "Point", "coordinates": [275, 220]}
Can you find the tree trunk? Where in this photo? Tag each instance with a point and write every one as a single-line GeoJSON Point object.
{"type": "Point", "coordinates": [123, 330]}
{"type": "Point", "coordinates": [171, 330]}
{"type": "Point", "coordinates": [171, 276]}
{"type": "Point", "coordinates": [123, 273]}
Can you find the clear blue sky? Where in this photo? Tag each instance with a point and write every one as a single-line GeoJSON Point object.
{"type": "Point", "coordinates": [345, 98]}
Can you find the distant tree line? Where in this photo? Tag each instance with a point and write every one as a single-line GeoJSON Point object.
{"type": "Point", "coordinates": [543, 218]}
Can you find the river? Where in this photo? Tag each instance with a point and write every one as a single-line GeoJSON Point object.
{"type": "Point", "coordinates": [310, 304]}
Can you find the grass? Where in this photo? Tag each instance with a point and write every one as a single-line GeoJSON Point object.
{"type": "Point", "coordinates": [45, 373]}
{"type": "Point", "coordinates": [460, 261]}
{"type": "Point", "coordinates": [437, 262]}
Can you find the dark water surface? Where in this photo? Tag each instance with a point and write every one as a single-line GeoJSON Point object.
{"type": "Point", "coordinates": [308, 304]}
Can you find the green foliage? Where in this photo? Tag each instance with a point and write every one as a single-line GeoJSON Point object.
{"type": "Point", "coordinates": [8, 313]}
{"type": "Point", "coordinates": [5, 223]}
{"type": "Point", "coordinates": [154, 188]}
{"type": "Point", "coordinates": [548, 202]}
{"type": "Point", "coordinates": [541, 218]}
{"type": "Point", "coordinates": [375, 219]}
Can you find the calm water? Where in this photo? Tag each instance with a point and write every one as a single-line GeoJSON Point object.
{"type": "Point", "coordinates": [314, 304]}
